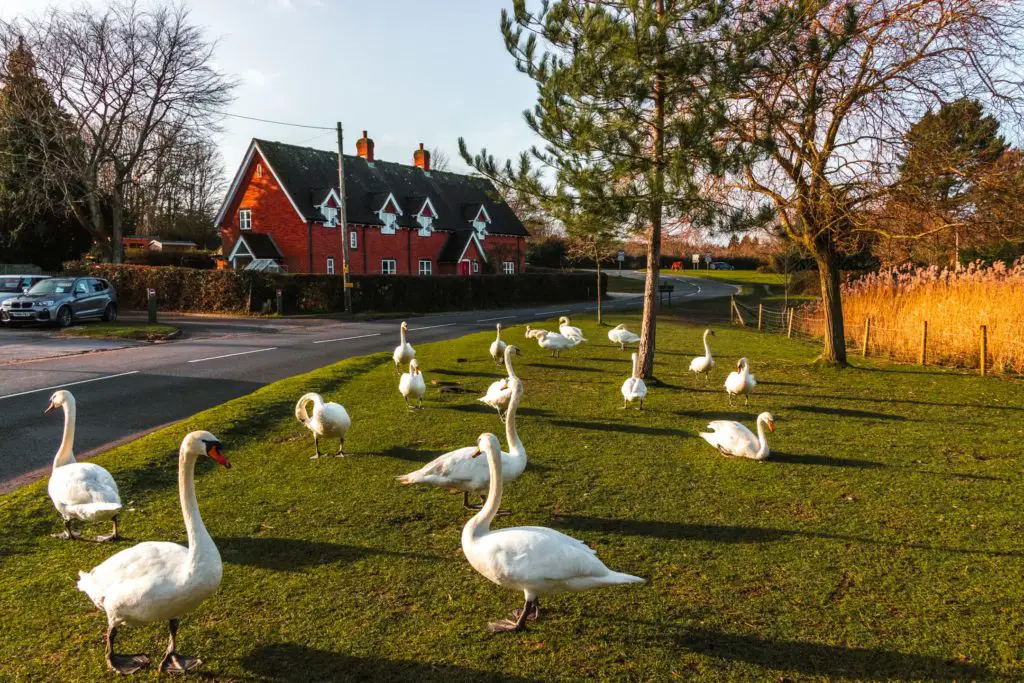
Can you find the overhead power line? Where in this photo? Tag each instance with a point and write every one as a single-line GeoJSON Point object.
{"type": "Point", "coordinates": [279, 123]}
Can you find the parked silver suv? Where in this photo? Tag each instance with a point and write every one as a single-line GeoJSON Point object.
{"type": "Point", "coordinates": [13, 285]}
{"type": "Point", "coordinates": [62, 301]}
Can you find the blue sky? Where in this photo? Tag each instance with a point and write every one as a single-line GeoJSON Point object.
{"type": "Point", "coordinates": [408, 71]}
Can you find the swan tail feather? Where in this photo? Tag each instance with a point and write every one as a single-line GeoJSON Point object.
{"type": "Point", "coordinates": [87, 584]}
{"type": "Point", "coordinates": [619, 578]}
{"type": "Point", "coordinates": [93, 511]}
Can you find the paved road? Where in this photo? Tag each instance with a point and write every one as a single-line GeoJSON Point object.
{"type": "Point", "coordinates": [127, 392]}
{"type": "Point", "coordinates": [694, 287]}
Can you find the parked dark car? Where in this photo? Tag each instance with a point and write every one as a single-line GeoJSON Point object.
{"type": "Point", "coordinates": [62, 301]}
{"type": "Point", "coordinates": [721, 265]}
{"type": "Point", "coordinates": [13, 285]}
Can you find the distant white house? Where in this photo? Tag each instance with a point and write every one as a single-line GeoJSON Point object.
{"type": "Point", "coordinates": [171, 245]}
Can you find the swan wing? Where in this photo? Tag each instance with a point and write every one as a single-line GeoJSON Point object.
{"type": "Point", "coordinates": [83, 483]}
{"type": "Point", "coordinates": [731, 438]}
{"type": "Point", "coordinates": [532, 556]}
{"type": "Point", "coordinates": [454, 468]}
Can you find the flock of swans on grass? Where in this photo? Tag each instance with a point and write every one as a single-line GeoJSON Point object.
{"type": "Point", "coordinates": [161, 582]}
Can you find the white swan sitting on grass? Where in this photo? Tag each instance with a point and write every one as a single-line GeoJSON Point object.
{"type": "Point", "coordinates": [734, 440]}
{"type": "Point", "coordinates": [622, 336]}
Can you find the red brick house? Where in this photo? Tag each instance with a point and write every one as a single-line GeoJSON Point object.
{"type": "Point", "coordinates": [282, 209]}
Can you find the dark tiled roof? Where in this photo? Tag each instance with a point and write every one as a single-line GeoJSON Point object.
{"type": "Point", "coordinates": [308, 174]}
{"type": "Point", "coordinates": [454, 247]}
{"type": "Point", "coordinates": [262, 245]}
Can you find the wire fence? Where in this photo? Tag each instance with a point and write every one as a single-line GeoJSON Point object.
{"type": "Point", "coordinates": [997, 350]}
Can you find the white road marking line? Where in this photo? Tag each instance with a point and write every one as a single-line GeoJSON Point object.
{"type": "Point", "coordinates": [430, 327]}
{"type": "Point", "coordinates": [361, 336]}
{"type": "Point", "coordinates": [503, 317]}
{"type": "Point", "coordinates": [69, 384]}
{"type": "Point", "coordinates": [229, 355]}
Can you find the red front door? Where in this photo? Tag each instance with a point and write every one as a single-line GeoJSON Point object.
{"type": "Point", "coordinates": [463, 267]}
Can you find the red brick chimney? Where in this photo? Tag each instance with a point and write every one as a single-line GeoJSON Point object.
{"type": "Point", "coordinates": [364, 147]}
{"type": "Point", "coordinates": [421, 158]}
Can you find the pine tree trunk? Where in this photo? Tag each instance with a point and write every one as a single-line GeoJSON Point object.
{"type": "Point", "coordinates": [598, 261]}
{"type": "Point", "coordinates": [834, 349]}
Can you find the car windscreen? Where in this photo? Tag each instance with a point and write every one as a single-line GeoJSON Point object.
{"type": "Point", "coordinates": [53, 286]}
{"type": "Point", "coordinates": [10, 284]}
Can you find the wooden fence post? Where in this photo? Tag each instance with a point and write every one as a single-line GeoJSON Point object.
{"type": "Point", "coordinates": [732, 306]}
{"type": "Point", "coordinates": [924, 344]}
{"type": "Point", "coordinates": [984, 349]}
{"type": "Point", "coordinates": [867, 336]}
{"type": "Point", "coordinates": [789, 330]}
{"type": "Point", "coordinates": [760, 313]}
{"type": "Point", "coordinates": [739, 316]}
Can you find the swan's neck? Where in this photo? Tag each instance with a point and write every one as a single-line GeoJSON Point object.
{"type": "Point", "coordinates": [707, 349]}
{"type": "Point", "coordinates": [762, 451]}
{"type": "Point", "coordinates": [199, 541]}
{"type": "Point", "coordinates": [480, 525]}
{"type": "Point", "coordinates": [66, 453]}
{"type": "Point", "coordinates": [508, 368]}
{"type": "Point", "coordinates": [401, 332]}
{"type": "Point", "coordinates": [515, 444]}
{"type": "Point", "coordinates": [498, 337]}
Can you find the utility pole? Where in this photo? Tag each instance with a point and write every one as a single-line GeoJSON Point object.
{"type": "Point", "coordinates": [344, 224]}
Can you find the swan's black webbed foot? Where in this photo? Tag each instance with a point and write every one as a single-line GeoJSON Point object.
{"type": "Point", "coordinates": [123, 664]}
{"type": "Point", "coordinates": [174, 663]}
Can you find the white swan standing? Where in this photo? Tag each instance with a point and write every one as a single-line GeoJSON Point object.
{"type": "Point", "coordinates": [404, 352]}
{"type": "Point", "coordinates": [80, 490]}
{"type": "Point", "coordinates": [553, 341]}
{"type": "Point", "coordinates": [499, 394]}
{"type": "Point", "coordinates": [536, 560]}
{"type": "Point", "coordinates": [740, 381]}
{"type": "Point", "coordinates": [735, 440]}
{"type": "Point", "coordinates": [412, 384]}
{"type": "Point", "coordinates": [703, 365]}
{"type": "Point", "coordinates": [498, 347]}
{"type": "Point", "coordinates": [634, 389]}
{"type": "Point", "coordinates": [622, 336]}
{"type": "Point", "coordinates": [158, 581]}
{"type": "Point", "coordinates": [329, 420]}
{"type": "Point", "coordinates": [460, 470]}
{"type": "Point", "coordinates": [573, 334]}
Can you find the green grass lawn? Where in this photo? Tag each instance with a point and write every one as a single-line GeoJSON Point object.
{"type": "Point", "coordinates": [617, 283]}
{"type": "Point", "coordinates": [881, 541]}
{"type": "Point", "coordinates": [120, 330]}
{"type": "Point", "coordinates": [739, 277]}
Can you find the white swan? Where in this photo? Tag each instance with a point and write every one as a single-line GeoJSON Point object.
{"type": "Point", "coordinates": [534, 333]}
{"type": "Point", "coordinates": [740, 381]}
{"type": "Point", "coordinates": [634, 389]}
{"type": "Point", "coordinates": [80, 490]}
{"type": "Point", "coordinates": [460, 470]}
{"type": "Point", "coordinates": [412, 384]}
{"type": "Point", "coordinates": [533, 559]}
{"type": "Point", "coordinates": [621, 336]}
{"type": "Point", "coordinates": [324, 420]}
{"type": "Point", "coordinates": [499, 394]}
{"type": "Point", "coordinates": [404, 351]}
{"type": "Point", "coordinates": [703, 365]}
{"type": "Point", "coordinates": [498, 347]}
{"type": "Point", "coordinates": [571, 333]}
{"type": "Point", "coordinates": [553, 341]}
{"type": "Point", "coordinates": [735, 440]}
{"type": "Point", "coordinates": [158, 581]}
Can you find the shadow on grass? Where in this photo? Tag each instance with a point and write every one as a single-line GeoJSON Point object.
{"type": "Point", "coordinates": [292, 554]}
{"type": "Point", "coordinates": [889, 400]}
{"type": "Point", "coordinates": [710, 415]}
{"type": "Point", "coordinates": [847, 412]}
{"type": "Point", "coordinates": [828, 661]}
{"type": "Point", "coordinates": [462, 373]}
{"type": "Point", "coordinates": [478, 407]}
{"type": "Point", "coordinates": [620, 427]}
{"type": "Point", "coordinates": [742, 534]}
{"type": "Point", "coordinates": [295, 662]}
{"type": "Point", "coordinates": [411, 454]}
{"type": "Point", "coordinates": [828, 461]}
{"type": "Point", "coordinates": [571, 368]}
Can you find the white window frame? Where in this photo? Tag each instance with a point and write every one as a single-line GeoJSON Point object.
{"type": "Point", "coordinates": [259, 170]}
{"type": "Point", "coordinates": [245, 219]}
{"type": "Point", "coordinates": [476, 266]}
{"type": "Point", "coordinates": [353, 239]}
{"type": "Point", "coordinates": [429, 270]}
{"type": "Point", "coordinates": [480, 225]}
{"type": "Point", "coordinates": [331, 215]}
{"type": "Point", "coordinates": [426, 222]}
{"type": "Point", "coordinates": [508, 267]}
{"type": "Point", "coordinates": [389, 221]}
{"type": "Point", "coordinates": [330, 265]}
{"type": "Point", "coordinates": [392, 266]}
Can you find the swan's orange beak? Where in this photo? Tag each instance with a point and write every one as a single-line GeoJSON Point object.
{"type": "Point", "coordinates": [49, 408]}
{"type": "Point", "coordinates": [214, 451]}
{"type": "Point", "coordinates": [477, 452]}
{"type": "Point", "coordinates": [771, 426]}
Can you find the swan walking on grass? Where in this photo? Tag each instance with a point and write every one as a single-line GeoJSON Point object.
{"type": "Point", "coordinates": [460, 470]}
{"type": "Point", "coordinates": [621, 336]}
{"type": "Point", "coordinates": [498, 347]}
{"type": "Point", "coordinates": [536, 560]}
{"type": "Point", "coordinates": [499, 394]}
{"type": "Point", "coordinates": [553, 341]}
{"type": "Point", "coordinates": [740, 382]}
{"type": "Point", "coordinates": [159, 581]}
{"type": "Point", "coordinates": [703, 365]}
{"type": "Point", "coordinates": [573, 334]}
{"type": "Point", "coordinates": [734, 440]}
{"type": "Point", "coordinates": [634, 389]}
{"type": "Point", "coordinates": [80, 490]}
{"type": "Point", "coordinates": [412, 384]}
{"type": "Point", "coordinates": [404, 352]}
{"type": "Point", "coordinates": [325, 420]}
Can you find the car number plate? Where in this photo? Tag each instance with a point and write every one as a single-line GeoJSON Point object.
{"type": "Point", "coordinates": [21, 314]}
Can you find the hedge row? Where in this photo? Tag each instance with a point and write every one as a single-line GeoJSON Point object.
{"type": "Point", "coordinates": [210, 291]}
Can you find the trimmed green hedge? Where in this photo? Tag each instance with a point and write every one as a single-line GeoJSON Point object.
{"type": "Point", "coordinates": [227, 291]}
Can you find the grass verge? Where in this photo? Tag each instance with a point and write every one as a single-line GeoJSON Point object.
{"type": "Point", "coordinates": [121, 330]}
{"type": "Point", "coordinates": [736, 277]}
{"type": "Point", "coordinates": [629, 285]}
{"type": "Point", "coordinates": [880, 541]}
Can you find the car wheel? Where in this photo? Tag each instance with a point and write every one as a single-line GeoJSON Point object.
{"type": "Point", "coordinates": [64, 317]}
{"type": "Point", "coordinates": [110, 313]}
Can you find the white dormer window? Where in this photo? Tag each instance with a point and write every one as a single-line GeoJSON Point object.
{"type": "Point", "coordinates": [481, 221]}
{"type": "Point", "coordinates": [426, 217]}
{"type": "Point", "coordinates": [388, 215]}
{"type": "Point", "coordinates": [330, 210]}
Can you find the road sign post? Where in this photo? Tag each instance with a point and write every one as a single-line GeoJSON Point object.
{"type": "Point", "coordinates": [151, 305]}
{"type": "Point", "coordinates": [696, 261]}
{"type": "Point", "coordinates": [620, 257]}
{"type": "Point", "coordinates": [707, 260]}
